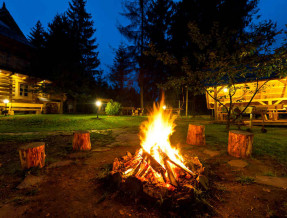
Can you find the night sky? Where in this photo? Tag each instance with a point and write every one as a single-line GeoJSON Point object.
{"type": "Point", "coordinates": [106, 16]}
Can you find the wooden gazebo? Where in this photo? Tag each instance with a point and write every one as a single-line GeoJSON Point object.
{"type": "Point", "coordinates": [272, 97]}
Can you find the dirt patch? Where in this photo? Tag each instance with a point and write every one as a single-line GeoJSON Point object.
{"type": "Point", "coordinates": [73, 190]}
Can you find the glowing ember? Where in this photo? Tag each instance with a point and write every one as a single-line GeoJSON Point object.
{"type": "Point", "coordinates": [157, 161]}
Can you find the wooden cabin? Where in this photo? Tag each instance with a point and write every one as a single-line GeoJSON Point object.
{"type": "Point", "coordinates": [16, 85]}
{"type": "Point", "coordinates": [272, 98]}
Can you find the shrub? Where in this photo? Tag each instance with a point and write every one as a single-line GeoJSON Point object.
{"type": "Point", "coordinates": [113, 108]}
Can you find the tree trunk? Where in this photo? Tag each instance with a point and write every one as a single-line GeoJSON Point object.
{"type": "Point", "coordinates": [240, 143]}
{"type": "Point", "coordinates": [141, 96]}
{"type": "Point", "coordinates": [81, 141]}
{"type": "Point", "coordinates": [32, 155]}
{"type": "Point", "coordinates": [196, 135]}
{"type": "Point", "coordinates": [228, 121]}
{"type": "Point", "coordinates": [215, 105]}
{"type": "Point", "coordinates": [186, 105]}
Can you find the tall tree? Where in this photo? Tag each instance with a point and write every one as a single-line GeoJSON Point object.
{"type": "Point", "coordinates": [158, 25]}
{"type": "Point", "coordinates": [228, 17]}
{"type": "Point", "coordinates": [84, 39]}
{"type": "Point", "coordinates": [121, 68]}
{"type": "Point", "coordinates": [136, 12]}
{"type": "Point", "coordinates": [37, 36]}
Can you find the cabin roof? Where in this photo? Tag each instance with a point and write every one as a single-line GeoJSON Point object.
{"type": "Point", "coordinates": [9, 28]}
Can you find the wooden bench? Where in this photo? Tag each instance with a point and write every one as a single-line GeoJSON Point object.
{"type": "Point", "coordinates": [127, 110]}
{"type": "Point", "coordinates": [275, 110]}
{"type": "Point", "coordinates": [138, 112]}
{"type": "Point", "coordinates": [26, 107]}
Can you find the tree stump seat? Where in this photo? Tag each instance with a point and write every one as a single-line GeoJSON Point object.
{"type": "Point", "coordinates": [196, 135]}
{"type": "Point", "coordinates": [240, 143]}
{"type": "Point", "coordinates": [81, 141]}
{"type": "Point", "coordinates": [32, 155]}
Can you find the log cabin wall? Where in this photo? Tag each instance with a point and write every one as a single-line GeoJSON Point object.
{"type": "Point", "coordinates": [273, 93]}
{"type": "Point", "coordinates": [15, 83]}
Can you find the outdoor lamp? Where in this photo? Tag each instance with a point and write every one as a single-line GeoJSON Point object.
{"type": "Point", "coordinates": [225, 89]}
{"type": "Point", "coordinates": [6, 101]}
{"type": "Point", "coordinates": [164, 107]}
{"type": "Point", "coordinates": [98, 104]}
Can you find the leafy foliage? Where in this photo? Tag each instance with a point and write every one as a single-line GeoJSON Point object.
{"type": "Point", "coordinates": [113, 108]}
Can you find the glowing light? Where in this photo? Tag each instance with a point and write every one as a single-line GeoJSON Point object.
{"type": "Point", "coordinates": [225, 89]}
{"type": "Point", "coordinates": [164, 107]}
{"type": "Point", "coordinates": [98, 103]}
{"type": "Point", "coordinates": [6, 101]}
{"type": "Point", "coordinates": [155, 134]}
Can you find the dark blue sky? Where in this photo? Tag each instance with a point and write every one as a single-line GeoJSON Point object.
{"type": "Point", "coordinates": [106, 15]}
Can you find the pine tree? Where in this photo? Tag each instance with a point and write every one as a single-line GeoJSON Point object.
{"type": "Point", "coordinates": [83, 37]}
{"type": "Point", "coordinates": [61, 63]}
{"type": "Point", "coordinates": [37, 36]}
{"type": "Point", "coordinates": [121, 68]}
{"type": "Point", "coordinates": [136, 12]}
{"type": "Point", "coordinates": [38, 39]}
{"type": "Point", "coordinates": [158, 25]}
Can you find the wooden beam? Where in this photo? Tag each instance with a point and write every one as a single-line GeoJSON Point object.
{"type": "Point", "coordinates": [261, 102]}
{"type": "Point", "coordinates": [284, 89]}
{"type": "Point", "coordinates": [282, 81]}
{"type": "Point", "coordinates": [215, 104]}
{"type": "Point", "coordinates": [278, 102]}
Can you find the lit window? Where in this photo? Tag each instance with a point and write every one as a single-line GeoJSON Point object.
{"type": "Point", "coordinates": [24, 90]}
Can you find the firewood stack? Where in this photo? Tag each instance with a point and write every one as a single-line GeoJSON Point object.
{"type": "Point", "coordinates": [146, 168]}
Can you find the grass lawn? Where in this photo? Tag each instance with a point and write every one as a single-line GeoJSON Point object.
{"type": "Point", "coordinates": [58, 122]}
{"type": "Point", "coordinates": [273, 143]}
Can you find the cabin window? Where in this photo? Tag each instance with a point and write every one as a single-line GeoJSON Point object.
{"type": "Point", "coordinates": [23, 90]}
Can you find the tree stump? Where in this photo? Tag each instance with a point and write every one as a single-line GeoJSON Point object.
{"type": "Point", "coordinates": [32, 155]}
{"type": "Point", "coordinates": [240, 143]}
{"type": "Point", "coordinates": [196, 135]}
{"type": "Point", "coordinates": [81, 141]}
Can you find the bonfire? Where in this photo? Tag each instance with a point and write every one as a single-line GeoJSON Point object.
{"type": "Point", "coordinates": [157, 163]}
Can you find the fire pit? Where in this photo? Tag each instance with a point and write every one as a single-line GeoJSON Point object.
{"type": "Point", "coordinates": [158, 169]}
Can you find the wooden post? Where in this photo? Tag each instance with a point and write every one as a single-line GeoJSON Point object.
{"type": "Point", "coordinates": [196, 135]}
{"type": "Point", "coordinates": [215, 105]}
{"type": "Point", "coordinates": [186, 105]}
{"type": "Point", "coordinates": [82, 141]}
{"type": "Point", "coordinates": [251, 120]}
{"type": "Point", "coordinates": [32, 155]}
{"type": "Point", "coordinates": [240, 143]}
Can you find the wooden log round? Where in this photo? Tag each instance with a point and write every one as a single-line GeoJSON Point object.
{"type": "Point", "coordinates": [81, 141]}
{"type": "Point", "coordinates": [32, 155]}
{"type": "Point", "coordinates": [195, 135]}
{"type": "Point", "coordinates": [240, 143]}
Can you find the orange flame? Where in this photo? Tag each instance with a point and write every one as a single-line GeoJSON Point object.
{"type": "Point", "coordinates": [155, 134]}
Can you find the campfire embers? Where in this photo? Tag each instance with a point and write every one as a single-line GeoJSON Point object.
{"type": "Point", "coordinates": [146, 168]}
{"type": "Point", "coordinates": [157, 163]}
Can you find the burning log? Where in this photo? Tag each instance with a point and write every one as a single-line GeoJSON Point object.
{"type": "Point", "coordinates": [116, 164]}
{"type": "Point", "coordinates": [196, 135]}
{"type": "Point", "coordinates": [240, 143]}
{"type": "Point", "coordinates": [32, 155]}
{"type": "Point", "coordinates": [155, 165]}
{"type": "Point", "coordinates": [82, 141]}
{"type": "Point", "coordinates": [166, 157]}
{"type": "Point", "coordinates": [170, 173]}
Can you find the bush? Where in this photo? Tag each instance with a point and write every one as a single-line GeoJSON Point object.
{"type": "Point", "coordinates": [113, 108]}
